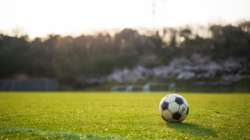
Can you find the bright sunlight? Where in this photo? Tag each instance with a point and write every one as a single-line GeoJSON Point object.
{"type": "Point", "coordinates": [41, 17]}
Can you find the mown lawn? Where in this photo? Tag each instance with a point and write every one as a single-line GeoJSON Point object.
{"type": "Point", "coordinates": [93, 116]}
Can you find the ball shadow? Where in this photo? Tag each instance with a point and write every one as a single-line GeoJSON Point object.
{"type": "Point", "coordinates": [193, 129]}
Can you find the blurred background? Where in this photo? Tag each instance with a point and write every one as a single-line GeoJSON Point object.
{"type": "Point", "coordinates": [132, 45]}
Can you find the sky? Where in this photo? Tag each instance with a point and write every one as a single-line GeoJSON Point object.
{"type": "Point", "coordinates": [42, 17]}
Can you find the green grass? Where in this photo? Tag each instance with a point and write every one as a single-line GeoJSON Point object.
{"type": "Point", "coordinates": [136, 116]}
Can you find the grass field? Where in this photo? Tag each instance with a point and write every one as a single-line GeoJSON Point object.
{"type": "Point", "coordinates": [94, 116]}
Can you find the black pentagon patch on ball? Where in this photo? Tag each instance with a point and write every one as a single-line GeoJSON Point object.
{"type": "Point", "coordinates": [187, 110]}
{"type": "Point", "coordinates": [179, 101]}
{"type": "Point", "coordinates": [164, 105]}
{"type": "Point", "coordinates": [176, 116]}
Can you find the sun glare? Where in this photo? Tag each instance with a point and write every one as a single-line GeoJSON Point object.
{"type": "Point", "coordinates": [41, 17]}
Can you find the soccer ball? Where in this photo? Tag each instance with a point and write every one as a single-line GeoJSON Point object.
{"type": "Point", "coordinates": [174, 108]}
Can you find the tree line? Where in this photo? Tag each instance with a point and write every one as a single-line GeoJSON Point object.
{"type": "Point", "coordinates": [67, 58]}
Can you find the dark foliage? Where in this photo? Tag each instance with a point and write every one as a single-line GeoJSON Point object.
{"type": "Point", "coordinates": [73, 59]}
